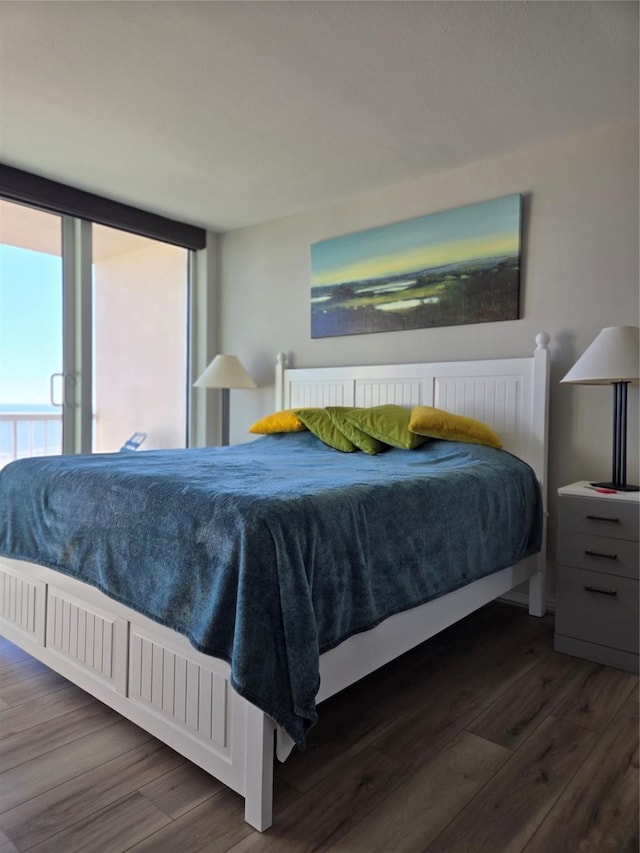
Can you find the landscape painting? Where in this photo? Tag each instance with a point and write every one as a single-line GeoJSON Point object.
{"type": "Point", "coordinates": [445, 269]}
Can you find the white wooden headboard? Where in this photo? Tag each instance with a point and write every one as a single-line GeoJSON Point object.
{"type": "Point", "coordinates": [509, 394]}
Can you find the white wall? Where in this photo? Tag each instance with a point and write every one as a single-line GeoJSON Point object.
{"type": "Point", "coordinates": [580, 273]}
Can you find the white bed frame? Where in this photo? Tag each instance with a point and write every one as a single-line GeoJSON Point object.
{"type": "Point", "coordinates": [154, 677]}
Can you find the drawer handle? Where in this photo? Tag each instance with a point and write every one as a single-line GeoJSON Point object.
{"type": "Point", "coordinates": [590, 588]}
{"type": "Point", "coordinates": [603, 518]}
{"type": "Point", "coordinates": [591, 553]}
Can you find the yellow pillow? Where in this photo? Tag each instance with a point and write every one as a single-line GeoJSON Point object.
{"type": "Point", "coordinates": [284, 421]}
{"type": "Point", "coordinates": [436, 423]}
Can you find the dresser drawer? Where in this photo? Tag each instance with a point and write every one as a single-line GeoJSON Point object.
{"type": "Point", "coordinates": [599, 517]}
{"type": "Point", "coordinates": [600, 608]}
{"type": "Point", "coordinates": [599, 554]}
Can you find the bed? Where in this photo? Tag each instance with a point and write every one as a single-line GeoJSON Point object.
{"type": "Point", "coordinates": [187, 687]}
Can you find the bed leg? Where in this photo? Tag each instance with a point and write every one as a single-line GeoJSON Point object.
{"type": "Point", "coordinates": [258, 806]}
{"type": "Point", "coordinates": [537, 594]}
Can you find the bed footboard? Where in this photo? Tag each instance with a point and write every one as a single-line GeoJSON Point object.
{"type": "Point", "coordinates": [147, 673]}
{"type": "Point", "coordinates": [155, 678]}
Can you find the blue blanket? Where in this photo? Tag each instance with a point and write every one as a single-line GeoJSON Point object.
{"type": "Point", "coordinates": [269, 553]}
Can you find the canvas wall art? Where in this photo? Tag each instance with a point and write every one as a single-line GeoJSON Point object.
{"type": "Point", "coordinates": [444, 269]}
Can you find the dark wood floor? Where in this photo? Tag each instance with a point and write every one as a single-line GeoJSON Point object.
{"type": "Point", "coordinates": [482, 740]}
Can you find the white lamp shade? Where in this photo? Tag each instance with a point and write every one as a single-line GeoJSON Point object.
{"type": "Point", "coordinates": [614, 356]}
{"type": "Point", "coordinates": [225, 371]}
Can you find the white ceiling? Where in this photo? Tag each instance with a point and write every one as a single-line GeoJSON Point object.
{"type": "Point", "coordinates": [226, 114]}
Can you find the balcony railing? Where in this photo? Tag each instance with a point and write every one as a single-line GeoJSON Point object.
{"type": "Point", "coordinates": [24, 435]}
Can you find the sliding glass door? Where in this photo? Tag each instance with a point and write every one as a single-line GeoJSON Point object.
{"type": "Point", "coordinates": [139, 328]}
{"type": "Point", "coordinates": [32, 387]}
{"type": "Point", "coordinates": [93, 336]}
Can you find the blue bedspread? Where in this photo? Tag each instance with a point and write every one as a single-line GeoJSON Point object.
{"type": "Point", "coordinates": [266, 554]}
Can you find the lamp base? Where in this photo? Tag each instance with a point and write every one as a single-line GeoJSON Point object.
{"type": "Point", "coordinates": [617, 486]}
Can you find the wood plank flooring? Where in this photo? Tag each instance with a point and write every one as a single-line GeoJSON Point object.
{"type": "Point", "coordinates": [482, 740]}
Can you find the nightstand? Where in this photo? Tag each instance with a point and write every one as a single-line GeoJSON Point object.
{"type": "Point", "coordinates": [597, 583]}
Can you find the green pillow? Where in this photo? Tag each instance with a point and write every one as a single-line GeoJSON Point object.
{"type": "Point", "coordinates": [364, 442]}
{"type": "Point", "coordinates": [389, 423]}
{"type": "Point", "coordinates": [318, 421]}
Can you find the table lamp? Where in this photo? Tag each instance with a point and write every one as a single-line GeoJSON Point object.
{"type": "Point", "coordinates": [612, 359]}
{"type": "Point", "coordinates": [225, 372]}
